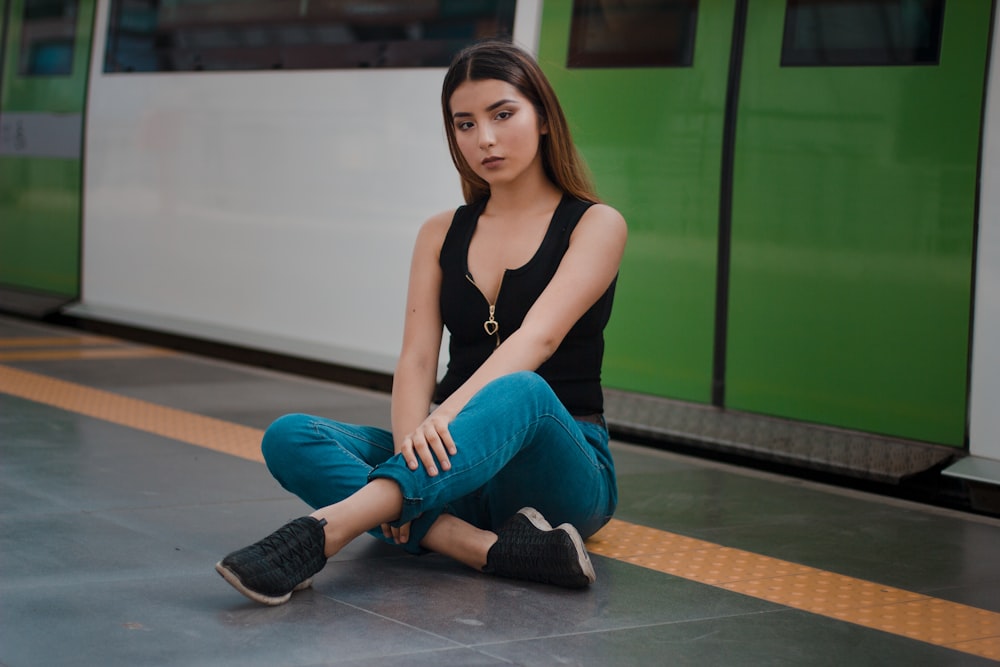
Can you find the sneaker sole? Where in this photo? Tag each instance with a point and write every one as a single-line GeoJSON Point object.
{"type": "Point", "coordinates": [583, 558]}
{"type": "Point", "coordinates": [271, 600]}
{"type": "Point", "coordinates": [581, 553]}
{"type": "Point", "coordinates": [536, 518]}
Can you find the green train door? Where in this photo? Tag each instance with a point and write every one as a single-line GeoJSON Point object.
{"type": "Point", "coordinates": [644, 89]}
{"type": "Point", "coordinates": [854, 193]}
{"type": "Point", "coordinates": [45, 59]}
{"type": "Point", "coordinates": [800, 187]}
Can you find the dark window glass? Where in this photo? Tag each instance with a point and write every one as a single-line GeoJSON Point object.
{"type": "Point", "coordinates": [632, 33]}
{"type": "Point", "coordinates": [190, 35]}
{"type": "Point", "coordinates": [872, 32]}
{"type": "Point", "coordinates": [48, 34]}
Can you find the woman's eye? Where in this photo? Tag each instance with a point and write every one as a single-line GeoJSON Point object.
{"type": "Point", "coordinates": [503, 115]}
{"type": "Point", "coordinates": [464, 125]}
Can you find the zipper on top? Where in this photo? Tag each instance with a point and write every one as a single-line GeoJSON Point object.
{"type": "Point", "coordinates": [490, 326]}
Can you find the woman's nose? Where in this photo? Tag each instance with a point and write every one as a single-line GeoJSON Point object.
{"type": "Point", "coordinates": [486, 138]}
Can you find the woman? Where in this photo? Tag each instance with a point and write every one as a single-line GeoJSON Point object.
{"type": "Point", "coordinates": [513, 436]}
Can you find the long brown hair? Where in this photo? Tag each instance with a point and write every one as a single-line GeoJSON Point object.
{"type": "Point", "coordinates": [500, 60]}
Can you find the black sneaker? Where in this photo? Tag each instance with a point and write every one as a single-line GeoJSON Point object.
{"type": "Point", "coordinates": [529, 548]}
{"type": "Point", "coordinates": [270, 570]}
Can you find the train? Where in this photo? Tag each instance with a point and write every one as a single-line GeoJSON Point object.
{"type": "Point", "coordinates": [812, 190]}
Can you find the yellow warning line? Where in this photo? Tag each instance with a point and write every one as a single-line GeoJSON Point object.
{"type": "Point", "coordinates": [892, 610]}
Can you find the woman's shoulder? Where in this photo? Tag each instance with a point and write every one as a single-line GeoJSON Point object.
{"type": "Point", "coordinates": [603, 217]}
{"type": "Point", "coordinates": [434, 230]}
{"type": "Point", "coordinates": [441, 220]}
{"type": "Point", "coordinates": [439, 224]}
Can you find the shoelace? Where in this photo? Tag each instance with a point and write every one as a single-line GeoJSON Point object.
{"type": "Point", "coordinates": [293, 544]}
{"type": "Point", "coordinates": [541, 551]}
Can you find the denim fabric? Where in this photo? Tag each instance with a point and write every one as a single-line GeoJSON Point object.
{"type": "Point", "coordinates": [517, 446]}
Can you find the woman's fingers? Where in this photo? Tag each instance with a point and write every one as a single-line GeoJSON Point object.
{"type": "Point", "coordinates": [406, 449]}
{"type": "Point", "coordinates": [399, 535]}
{"type": "Point", "coordinates": [430, 444]}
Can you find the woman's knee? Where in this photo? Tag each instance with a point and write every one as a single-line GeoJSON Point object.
{"type": "Point", "coordinates": [522, 382]}
{"type": "Point", "coordinates": [282, 437]}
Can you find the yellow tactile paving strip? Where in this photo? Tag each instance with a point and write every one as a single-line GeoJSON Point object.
{"type": "Point", "coordinates": [872, 605]}
{"type": "Point", "coordinates": [892, 610]}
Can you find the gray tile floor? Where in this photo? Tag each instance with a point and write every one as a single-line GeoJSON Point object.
{"type": "Point", "coordinates": [108, 537]}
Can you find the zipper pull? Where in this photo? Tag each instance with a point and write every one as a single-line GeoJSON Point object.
{"type": "Point", "coordinates": [491, 325]}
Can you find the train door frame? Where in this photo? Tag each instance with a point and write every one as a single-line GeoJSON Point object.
{"type": "Point", "coordinates": [42, 151]}
{"type": "Point", "coordinates": [981, 469]}
{"type": "Point", "coordinates": [4, 22]}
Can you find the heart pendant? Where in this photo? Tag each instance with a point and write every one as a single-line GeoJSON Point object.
{"type": "Point", "coordinates": [491, 327]}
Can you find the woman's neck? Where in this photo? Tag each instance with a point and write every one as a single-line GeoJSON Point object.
{"type": "Point", "coordinates": [512, 199]}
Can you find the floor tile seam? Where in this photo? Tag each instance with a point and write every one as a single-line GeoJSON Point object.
{"type": "Point", "coordinates": [192, 506]}
{"type": "Point", "coordinates": [201, 569]}
{"type": "Point", "coordinates": [991, 650]}
{"type": "Point", "coordinates": [31, 391]}
{"type": "Point", "coordinates": [404, 654]}
{"type": "Point", "coordinates": [84, 354]}
{"type": "Point", "coordinates": [776, 609]}
{"type": "Point", "coordinates": [58, 341]}
{"type": "Point", "coordinates": [76, 580]}
{"type": "Point", "coordinates": [60, 507]}
{"type": "Point", "coordinates": [172, 423]}
{"type": "Point", "coordinates": [395, 621]}
{"type": "Point", "coordinates": [964, 641]}
{"type": "Point", "coordinates": [70, 345]}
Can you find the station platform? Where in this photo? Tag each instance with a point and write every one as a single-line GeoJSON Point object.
{"type": "Point", "coordinates": [127, 471]}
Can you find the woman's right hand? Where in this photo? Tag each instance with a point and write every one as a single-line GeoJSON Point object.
{"type": "Point", "coordinates": [399, 535]}
{"type": "Point", "coordinates": [430, 444]}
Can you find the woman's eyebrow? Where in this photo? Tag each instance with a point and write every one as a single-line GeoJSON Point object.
{"type": "Point", "coordinates": [500, 103]}
{"type": "Point", "coordinates": [495, 105]}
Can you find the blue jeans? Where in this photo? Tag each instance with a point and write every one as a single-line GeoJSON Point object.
{"type": "Point", "coordinates": [517, 446]}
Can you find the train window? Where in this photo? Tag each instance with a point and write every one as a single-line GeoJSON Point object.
{"type": "Point", "coordinates": [192, 35]}
{"type": "Point", "coordinates": [862, 32]}
{"type": "Point", "coordinates": [632, 33]}
{"type": "Point", "coordinates": [48, 34]}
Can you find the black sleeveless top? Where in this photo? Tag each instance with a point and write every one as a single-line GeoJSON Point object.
{"type": "Point", "coordinates": [574, 370]}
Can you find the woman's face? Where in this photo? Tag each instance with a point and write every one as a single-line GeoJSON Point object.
{"type": "Point", "coordinates": [497, 130]}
